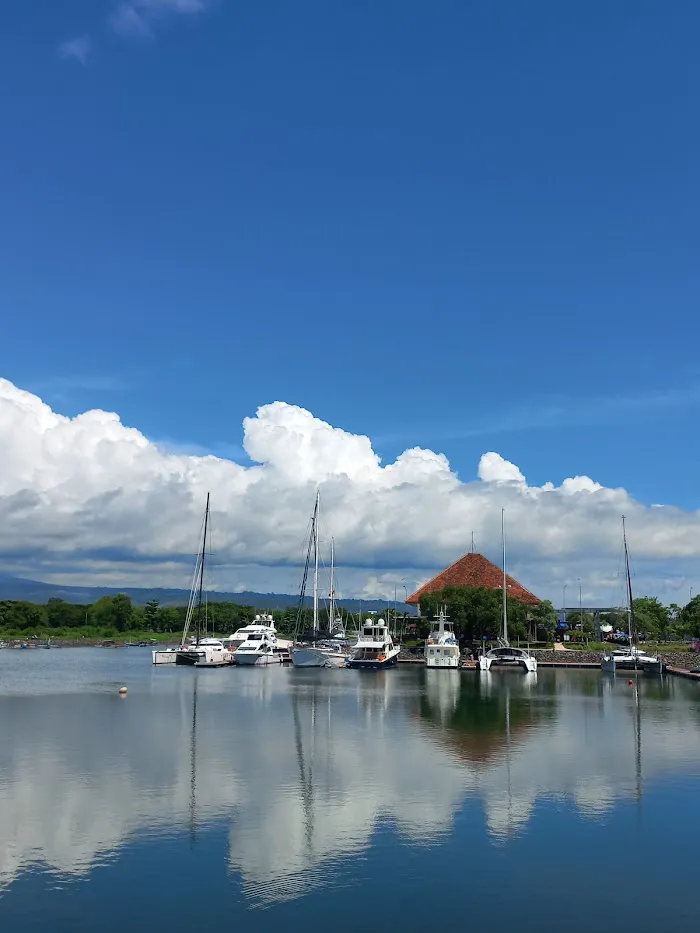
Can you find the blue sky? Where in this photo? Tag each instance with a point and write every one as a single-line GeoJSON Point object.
{"type": "Point", "coordinates": [464, 225]}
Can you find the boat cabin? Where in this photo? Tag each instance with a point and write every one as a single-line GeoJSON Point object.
{"type": "Point", "coordinates": [374, 640]}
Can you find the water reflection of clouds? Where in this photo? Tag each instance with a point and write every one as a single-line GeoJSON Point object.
{"type": "Point", "coordinates": [306, 770]}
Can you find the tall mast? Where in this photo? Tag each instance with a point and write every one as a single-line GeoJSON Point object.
{"type": "Point", "coordinates": [505, 592]}
{"type": "Point", "coordinates": [315, 534]}
{"type": "Point", "coordinates": [201, 570]}
{"type": "Point", "coordinates": [632, 628]}
{"type": "Point", "coordinates": [331, 607]}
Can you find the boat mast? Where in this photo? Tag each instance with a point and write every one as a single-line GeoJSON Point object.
{"type": "Point", "coordinates": [201, 571]}
{"type": "Point", "coordinates": [332, 594]}
{"type": "Point", "coordinates": [505, 592]}
{"type": "Point", "coordinates": [315, 536]}
{"type": "Point", "coordinates": [632, 626]}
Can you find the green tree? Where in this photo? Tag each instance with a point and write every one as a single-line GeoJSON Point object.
{"type": "Point", "coordinates": [651, 617]}
{"type": "Point", "coordinates": [689, 617]}
{"type": "Point", "coordinates": [113, 612]}
{"type": "Point", "coordinates": [475, 612]}
{"type": "Point", "coordinates": [544, 617]}
{"type": "Point", "coordinates": [151, 615]}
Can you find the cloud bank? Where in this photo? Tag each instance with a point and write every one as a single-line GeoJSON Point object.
{"type": "Point", "coordinates": [91, 500]}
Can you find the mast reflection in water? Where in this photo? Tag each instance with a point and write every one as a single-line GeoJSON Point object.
{"type": "Point", "coordinates": [286, 789]}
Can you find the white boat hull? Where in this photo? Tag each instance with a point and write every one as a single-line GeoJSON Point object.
{"type": "Point", "coordinates": [164, 657]}
{"type": "Point", "coordinates": [390, 659]}
{"type": "Point", "coordinates": [448, 662]}
{"type": "Point", "coordinates": [527, 663]}
{"type": "Point", "coordinates": [253, 659]}
{"type": "Point", "coordinates": [310, 656]}
{"type": "Point", "coordinates": [203, 656]}
{"type": "Point", "coordinates": [628, 662]}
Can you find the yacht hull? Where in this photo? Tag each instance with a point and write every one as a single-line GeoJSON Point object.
{"type": "Point", "coordinates": [303, 656]}
{"type": "Point", "coordinates": [249, 659]}
{"type": "Point", "coordinates": [628, 664]}
{"type": "Point", "coordinates": [528, 665]}
{"type": "Point", "coordinates": [187, 658]}
{"type": "Point", "coordinates": [373, 665]}
{"type": "Point", "coordinates": [164, 657]}
{"type": "Point", "coordinates": [446, 663]}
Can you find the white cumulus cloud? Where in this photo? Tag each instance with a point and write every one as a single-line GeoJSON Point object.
{"type": "Point", "coordinates": [91, 500]}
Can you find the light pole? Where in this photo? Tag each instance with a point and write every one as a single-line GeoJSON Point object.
{"type": "Point", "coordinates": [563, 605]}
{"type": "Point", "coordinates": [580, 605]}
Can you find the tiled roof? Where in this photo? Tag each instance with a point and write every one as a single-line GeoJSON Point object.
{"type": "Point", "coordinates": [474, 570]}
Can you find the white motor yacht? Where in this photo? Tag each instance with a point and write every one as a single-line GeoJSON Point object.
{"type": "Point", "coordinates": [261, 624]}
{"type": "Point", "coordinates": [442, 648]}
{"type": "Point", "coordinates": [259, 648]}
{"type": "Point", "coordinates": [375, 648]}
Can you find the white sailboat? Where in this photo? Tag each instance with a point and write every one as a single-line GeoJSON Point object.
{"type": "Point", "coordinates": [204, 651]}
{"type": "Point", "coordinates": [631, 658]}
{"type": "Point", "coordinates": [442, 648]}
{"type": "Point", "coordinates": [505, 654]}
{"type": "Point", "coordinates": [317, 652]}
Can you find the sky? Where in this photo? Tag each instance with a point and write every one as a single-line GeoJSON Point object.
{"type": "Point", "coordinates": [467, 229]}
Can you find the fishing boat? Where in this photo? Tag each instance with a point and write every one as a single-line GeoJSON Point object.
{"type": "Point", "coordinates": [375, 648]}
{"type": "Point", "coordinates": [201, 650]}
{"type": "Point", "coordinates": [631, 658]}
{"type": "Point", "coordinates": [442, 647]}
{"type": "Point", "coordinates": [505, 654]}
{"type": "Point", "coordinates": [314, 650]}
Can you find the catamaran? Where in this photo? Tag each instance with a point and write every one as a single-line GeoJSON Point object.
{"type": "Point", "coordinates": [315, 651]}
{"type": "Point", "coordinates": [442, 648]}
{"type": "Point", "coordinates": [202, 651]}
{"type": "Point", "coordinates": [505, 654]}
{"type": "Point", "coordinates": [632, 658]}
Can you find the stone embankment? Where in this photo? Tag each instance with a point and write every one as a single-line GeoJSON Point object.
{"type": "Point", "coordinates": [684, 660]}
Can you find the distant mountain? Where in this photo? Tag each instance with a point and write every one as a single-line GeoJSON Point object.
{"type": "Point", "coordinates": [35, 591]}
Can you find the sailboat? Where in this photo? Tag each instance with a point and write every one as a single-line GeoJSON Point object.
{"type": "Point", "coordinates": [505, 654]}
{"type": "Point", "coordinates": [631, 658]}
{"type": "Point", "coordinates": [315, 652]}
{"type": "Point", "coordinates": [205, 652]}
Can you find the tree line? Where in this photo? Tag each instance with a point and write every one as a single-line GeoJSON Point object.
{"type": "Point", "coordinates": [116, 615]}
{"type": "Point", "coordinates": [477, 612]}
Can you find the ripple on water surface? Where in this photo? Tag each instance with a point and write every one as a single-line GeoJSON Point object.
{"type": "Point", "coordinates": [276, 795]}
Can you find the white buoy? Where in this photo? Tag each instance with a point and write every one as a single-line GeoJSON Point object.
{"type": "Point", "coordinates": [122, 691]}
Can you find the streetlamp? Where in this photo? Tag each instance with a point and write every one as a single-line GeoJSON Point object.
{"type": "Point", "coordinates": [580, 605]}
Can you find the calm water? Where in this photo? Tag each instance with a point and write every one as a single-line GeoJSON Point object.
{"type": "Point", "coordinates": [268, 799]}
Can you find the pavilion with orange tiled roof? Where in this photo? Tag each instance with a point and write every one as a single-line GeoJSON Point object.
{"type": "Point", "coordinates": [474, 570]}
